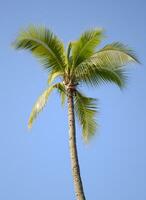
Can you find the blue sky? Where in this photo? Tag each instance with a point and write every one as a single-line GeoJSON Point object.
{"type": "Point", "coordinates": [35, 164]}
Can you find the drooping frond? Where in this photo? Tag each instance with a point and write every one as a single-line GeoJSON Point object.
{"type": "Point", "coordinates": [86, 110]}
{"type": "Point", "coordinates": [121, 53]}
{"type": "Point", "coordinates": [53, 75]}
{"type": "Point", "coordinates": [41, 102]}
{"type": "Point", "coordinates": [93, 74]}
{"type": "Point", "coordinates": [85, 46]}
{"type": "Point", "coordinates": [44, 45]}
{"type": "Point", "coordinates": [107, 65]}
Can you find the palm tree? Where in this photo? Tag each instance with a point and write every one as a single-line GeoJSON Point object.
{"type": "Point", "coordinates": [80, 64]}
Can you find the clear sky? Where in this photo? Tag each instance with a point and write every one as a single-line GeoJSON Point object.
{"type": "Point", "coordinates": [35, 165]}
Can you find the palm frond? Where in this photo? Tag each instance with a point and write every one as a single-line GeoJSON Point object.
{"type": "Point", "coordinates": [85, 46]}
{"type": "Point", "coordinates": [93, 74]}
{"type": "Point", "coordinates": [53, 75]}
{"type": "Point", "coordinates": [86, 110]}
{"type": "Point", "coordinates": [107, 65]}
{"type": "Point", "coordinates": [41, 102]}
{"type": "Point", "coordinates": [120, 52]}
{"type": "Point", "coordinates": [44, 45]}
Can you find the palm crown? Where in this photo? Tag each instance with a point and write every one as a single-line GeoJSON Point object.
{"type": "Point", "coordinates": [80, 63]}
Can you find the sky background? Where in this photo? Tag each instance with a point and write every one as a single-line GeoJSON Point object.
{"type": "Point", "coordinates": [35, 165]}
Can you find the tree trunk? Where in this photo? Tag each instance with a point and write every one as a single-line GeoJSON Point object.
{"type": "Point", "coordinates": [73, 150]}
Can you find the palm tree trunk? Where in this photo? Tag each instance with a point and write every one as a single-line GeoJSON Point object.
{"type": "Point", "coordinates": [73, 150]}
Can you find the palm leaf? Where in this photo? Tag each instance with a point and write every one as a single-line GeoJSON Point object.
{"type": "Point", "coordinates": [107, 65]}
{"type": "Point", "coordinates": [44, 45]}
{"type": "Point", "coordinates": [85, 46]}
{"type": "Point", "coordinates": [53, 75]}
{"type": "Point", "coordinates": [86, 110]}
{"type": "Point", "coordinates": [41, 102]}
{"type": "Point", "coordinates": [119, 52]}
{"type": "Point", "coordinates": [93, 74]}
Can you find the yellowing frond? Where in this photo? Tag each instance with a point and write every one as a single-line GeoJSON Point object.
{"type": "Point", "coordinates": [39, 105]}
{"type": "Point", "coordinates": [53, 75]}
{"type": "Point", "coordinates": [42, 100]}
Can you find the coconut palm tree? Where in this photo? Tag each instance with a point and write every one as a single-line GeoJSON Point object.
{"type": "Point", "coordinates": [79, 64]}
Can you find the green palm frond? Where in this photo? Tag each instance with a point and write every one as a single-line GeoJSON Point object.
{"type": "Point", "coordinates": [53, 75]}
{"type": "Point", "coordinates": [85, 46]}
{"type": "Point", "coordinates": [93, 74]}
{"type": "Point", "coordinates": [120, 52]}
{"type": "Point", "coordinates": [86, 110]}
{"type": "Point", "coordinates": [107, 65]}
{"type": "Point", "coordinates": [41, 102]}
{"type": "Point", "coordinates": [44, 45]}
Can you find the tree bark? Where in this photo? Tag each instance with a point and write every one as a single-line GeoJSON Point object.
{"type": "Point", "coordinates": [79, 192]}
